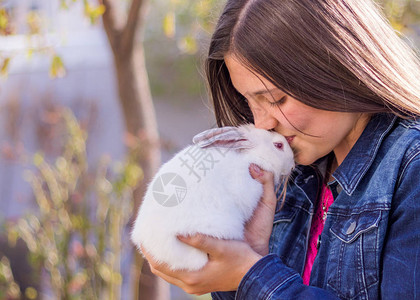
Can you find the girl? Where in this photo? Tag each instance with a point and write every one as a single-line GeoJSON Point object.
{"type": "Point", "coordinates": [336, 80]}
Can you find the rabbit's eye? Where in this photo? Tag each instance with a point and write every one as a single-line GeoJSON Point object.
{"type": "Point", "coordinates": [278, 146]}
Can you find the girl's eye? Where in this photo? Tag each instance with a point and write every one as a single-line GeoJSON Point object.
{"type": "Point", "coordinates": [278, 102]}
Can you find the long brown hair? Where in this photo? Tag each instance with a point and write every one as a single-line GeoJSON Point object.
{"type": "Point", "coordinates": [336, 55]}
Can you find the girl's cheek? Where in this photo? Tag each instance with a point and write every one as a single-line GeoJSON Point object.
{"type": "Point", "coordinates": [296, 123]}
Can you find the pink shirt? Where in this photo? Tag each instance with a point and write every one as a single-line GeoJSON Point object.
{"type": "Point", "coordinates": [316, 228]}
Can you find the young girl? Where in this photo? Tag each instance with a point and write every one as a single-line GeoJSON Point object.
{"type": "Point", "coordinates": [336, 80]}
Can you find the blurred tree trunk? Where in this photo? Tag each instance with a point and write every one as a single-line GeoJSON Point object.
{"type": "Point", "coordinates": [124, 31]}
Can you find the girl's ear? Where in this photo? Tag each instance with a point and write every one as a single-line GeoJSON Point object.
{"type": "Point", "coordinates": [224, 137]}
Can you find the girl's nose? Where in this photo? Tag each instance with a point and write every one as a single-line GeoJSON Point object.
{"type": "Point", "coordinates": [264, 120]}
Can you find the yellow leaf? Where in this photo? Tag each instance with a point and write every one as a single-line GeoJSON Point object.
{"type": "Point", "coordinates": [31, 293]}
{"type": "Point", "coordinates": [4, 20]}
{"type": "Point", "coordinates": [169, 24]}
{"type": "Point", "coordinates": [29, 53]}
{"type": "Point", "coordinates": [94, 12]}
{"type": "Point", "coordinates": [57, 69]}
{"type": "Point", "coordinates": [4, 70]}
{"type": "Point", "coordinates": [34, 22]}
{"type": "Point", "coordinates": [398, 26]}
{"type": "Point", "coordinates": [38, 159]}
{"type": "Point", "coordinates": [100, 10]}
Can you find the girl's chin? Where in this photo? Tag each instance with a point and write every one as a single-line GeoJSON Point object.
{"type": "Point", "coordinates": [301, 159]}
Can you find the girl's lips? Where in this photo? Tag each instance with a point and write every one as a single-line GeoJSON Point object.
{"type": "Point", "coordinates": [289, 139]}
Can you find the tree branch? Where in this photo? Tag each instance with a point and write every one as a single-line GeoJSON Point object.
{"type": "Point", "coordinates": [130, 28]}
{"type": "Point", "coordinates": [109, 19]}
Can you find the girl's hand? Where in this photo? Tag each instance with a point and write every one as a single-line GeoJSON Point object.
{"type": "Point", "coordinates": [229, 260]}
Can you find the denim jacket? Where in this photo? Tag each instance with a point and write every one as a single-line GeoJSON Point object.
{"type": "Point", "coordinates": [370, 245]}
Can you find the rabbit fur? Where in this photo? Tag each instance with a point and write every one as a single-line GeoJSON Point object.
{"type": "Point", "coordinates": [206, 188]}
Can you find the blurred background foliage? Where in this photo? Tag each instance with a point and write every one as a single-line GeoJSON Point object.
{"type": "Point", "coordinates": [176, 49]}
{"type": "Point", "coordinates": [176, 45]}
{"type": "Point", "coordinates": [176, 38]}
{"type": "Point", "coordinates": [75, 236]}
{"type": "Point", "coordinates": [404, 15]}
{"type": "Point", "coordinates": [75, 239]}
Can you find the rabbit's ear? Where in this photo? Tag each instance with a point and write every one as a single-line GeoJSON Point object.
{"type": "Point", "coordinates": [225, 137]}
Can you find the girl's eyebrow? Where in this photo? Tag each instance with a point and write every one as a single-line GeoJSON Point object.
{"type": "Point", "coordinates": [262, 92]}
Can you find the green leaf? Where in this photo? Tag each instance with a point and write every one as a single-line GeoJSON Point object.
{"type": "Point", "coordinates": [188, 45]}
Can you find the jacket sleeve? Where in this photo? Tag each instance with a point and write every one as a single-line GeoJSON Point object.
{"type": "Point", "coordinates": [401, 253]}
{"type": "Point", "coordinates": [269, 278]}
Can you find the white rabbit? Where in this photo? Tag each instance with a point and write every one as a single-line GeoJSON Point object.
{"type": "Point", "coordinates": [206, 188]}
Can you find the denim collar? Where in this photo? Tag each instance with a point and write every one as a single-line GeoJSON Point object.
{"type": "Point", "coordinates": [363, 153]}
